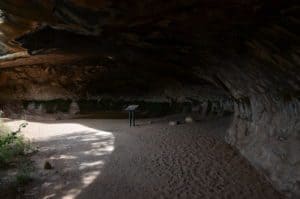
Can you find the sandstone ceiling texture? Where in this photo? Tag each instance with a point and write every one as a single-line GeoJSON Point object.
{"type": "Point", "coordinates": [246, 50]}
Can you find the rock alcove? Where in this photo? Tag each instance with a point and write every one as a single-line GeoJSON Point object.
{"type": "Point", "coordinates": [220, 57]}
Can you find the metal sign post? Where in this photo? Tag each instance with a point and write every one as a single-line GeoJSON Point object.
{"type": "Point", "coordinates": [131, 110]}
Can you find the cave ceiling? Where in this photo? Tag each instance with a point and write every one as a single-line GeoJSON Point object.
{"type": "Point", "coordinates": [186, 37]}
{"type": "Point", "coordinates": [147, 25]}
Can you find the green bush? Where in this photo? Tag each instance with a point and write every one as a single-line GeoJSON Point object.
{"type": "Point", "coordinates": [12, 144]}
{"type": "Point", "coordinates": [11, 147]}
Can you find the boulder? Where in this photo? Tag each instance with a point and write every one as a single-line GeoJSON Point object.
{"type": "Point", "coordinates": [74, 108]}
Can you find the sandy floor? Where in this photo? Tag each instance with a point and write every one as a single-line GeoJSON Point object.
{"type": "Point", "coordinates": [106, 159]}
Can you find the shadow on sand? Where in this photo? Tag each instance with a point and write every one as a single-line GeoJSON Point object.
{"type": "Point", "coordinates": [110, 160]}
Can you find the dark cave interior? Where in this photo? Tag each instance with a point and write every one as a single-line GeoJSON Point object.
{"type": "Point", "coordinates": [172, 56]}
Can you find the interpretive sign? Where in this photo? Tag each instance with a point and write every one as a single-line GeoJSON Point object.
{"type": "Point", "coordinates": [131, 110]}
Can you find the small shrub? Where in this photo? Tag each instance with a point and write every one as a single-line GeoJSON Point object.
{"type": "Point", "coordinates": [15, 165]}
{"type": "Point", "coordinates": [12, 144]}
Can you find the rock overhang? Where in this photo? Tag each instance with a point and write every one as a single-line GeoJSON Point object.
{"type": "Point", "coordinates": [110, 17]}
{"type": "Point", "coordinates": [247, 50]}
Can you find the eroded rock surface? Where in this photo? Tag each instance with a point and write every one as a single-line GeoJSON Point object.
{"type": "Point", "coordinates": [245, 51]}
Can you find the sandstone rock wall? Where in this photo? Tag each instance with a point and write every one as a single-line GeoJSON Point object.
{"type": "Point", "coordinates": [243, 51]}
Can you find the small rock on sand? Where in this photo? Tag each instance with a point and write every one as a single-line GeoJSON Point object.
{"type": "Point", "coordinates": [189, 120]}
{"type": "Point", "coordinates": [174, 123]}
{"type": "Point", "coordinates": [48, 166]}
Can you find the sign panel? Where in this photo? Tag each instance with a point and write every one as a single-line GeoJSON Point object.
{"type": "Point", "coordinates": [131, 107]}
